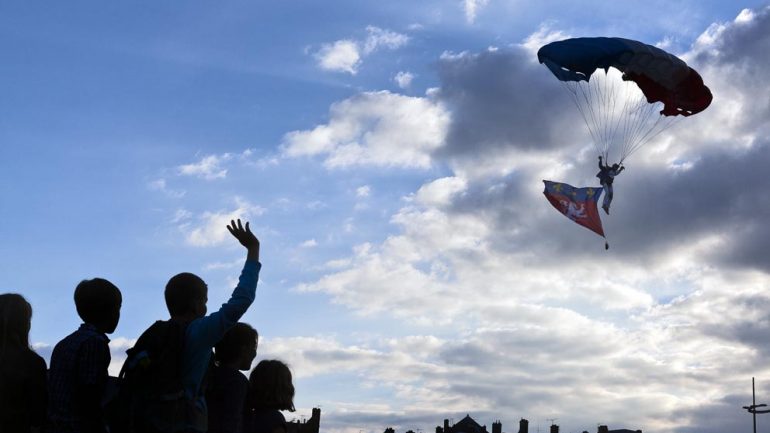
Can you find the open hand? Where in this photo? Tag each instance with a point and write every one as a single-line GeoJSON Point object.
{"type": "Point", "coordinates": [245, 237]}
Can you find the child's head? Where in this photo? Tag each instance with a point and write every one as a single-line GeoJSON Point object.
{"type": "Point", "coordinates": [15, 320]}
{"type": "Point", "coordinates": [238, 347]}
{"type": "Point", "coordinates": [186, 295]}
{"type": "Point", "coordinates": [98, 303]}
{"type": "Point", "coordinates": [270, 386]}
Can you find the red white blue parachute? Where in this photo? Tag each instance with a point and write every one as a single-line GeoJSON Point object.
{"type": "Point", "coordinates": [622, 106]}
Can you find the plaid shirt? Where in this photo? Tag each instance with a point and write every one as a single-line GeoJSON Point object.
{"type": "Point", "coordinates": [80, 359]}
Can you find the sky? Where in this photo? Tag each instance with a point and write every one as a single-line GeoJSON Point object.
{"type": "Point", "coordinates": [390, 158]}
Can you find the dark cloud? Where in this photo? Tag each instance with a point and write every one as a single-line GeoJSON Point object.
{"type": "Point", "coordinates": [723, 193]}
{"type": "Point", "coordinates": [501, 99]}
{"type": "Point", "coordinates": [724, 415]}
{"type": "Point", "coordinates": [753, 330]}
{"type": "Point", "coordinates": [743, 44]}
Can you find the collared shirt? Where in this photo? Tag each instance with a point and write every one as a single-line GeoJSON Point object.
{"type": "Point", "coordinates": [79, 360]}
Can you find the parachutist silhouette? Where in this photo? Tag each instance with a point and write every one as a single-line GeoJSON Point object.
{"type": "Point", "coordinates": [606, 175]}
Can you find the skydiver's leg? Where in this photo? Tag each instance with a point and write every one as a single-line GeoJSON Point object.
{"type": "Point", "coordinates": [607, 197]}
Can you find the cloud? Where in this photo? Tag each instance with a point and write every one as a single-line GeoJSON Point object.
{"type": "Point", "coordinates": [363, 191]}
{"type": "Point", "coordinates": [161, 185]}
{"type": "Point", "coordinates": [310, 243]}
{"type": "Point", "coordinates": [209, 167]}
{"type": "Point", "coordinates": [403, 79]}
{"type": "Point", "coordinates": [211, 230]}
{"type": "Point", "coordinates": [534, 315]}
{"type": "Point", "coordinates": [340, 56]}
{"type": "Point", "coordinates": [503, 104]}
{"type": "Point", "coordinates": [375, 129]}
{"type": "Point", "coordinates": [544, 35]}
{"type": "Point", "coordinates": [378, 38]}
{"type": "Point", "coordinates": [346, 55]}
{"type": "Point", "coordinates": [440, 191]}
{"type": "Point", "coordinates": [472, 8]}
{"type": "Point", "coordinates": [235, 264]}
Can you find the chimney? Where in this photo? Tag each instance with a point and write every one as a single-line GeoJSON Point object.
{"type": "Point", "coordinates": [604, 429]}
{"type": "Point", "coordinates": [523, 426]}
{"type": "Point", "coordinates": [497, 427]}
{"type": "Point", "coordinates": [315, 419]}
{"type": "Point", "coordinates": [446, 426]}
{"type": "Point", "coordinates": [554, 428]}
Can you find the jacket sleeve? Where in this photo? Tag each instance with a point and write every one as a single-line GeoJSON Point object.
{"type": "Point", "coordinates": [210, 329]}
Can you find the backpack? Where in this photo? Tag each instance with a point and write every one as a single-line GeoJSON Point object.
{"type": "Point", "coordinates": [151, 397]}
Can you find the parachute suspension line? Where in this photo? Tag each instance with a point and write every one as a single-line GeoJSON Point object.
{"type": "Point", "coordinates": [618, 118]}
{"type": "Point", "coordinates": [602, 100]}
{"type": "Point", "coordinates": [590, 99]}
{"type": "Point", "coordinates": [596, 95]}
{"type": "Point", "coordinates": [572, 88]}
{"type": "Point", "coordinates": [639, 116]}
{"type": "Point", "coordinates": [645, 113]}
{"type": "Point", "coordinates": [627, 108]}
{"type": "Point", "coordinates": [633, 118]}
{"type": "Point", "coordinates": [600, 105]}
{"type": "Point", "coordinates": [666, 124]}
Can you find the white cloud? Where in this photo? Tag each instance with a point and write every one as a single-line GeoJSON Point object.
{"type": "Point", "coordinates": [161, 185]}
{"type": "Point", "coordinates": [533, 303]}
{"type": "Point", "coordinates": [180, 216]}
{"type": "Point", "coordinates": [235, 264]}
{"type": "Point", "coordinates": [363, 191]}
{"type": "Point", "coordinates": [340, 56]}
{"type": "Point", "coordinates": [310, 243]}
{"type": "Point", "coordinates": [346, 55]}
{"type": "Point", "coordinates": [209, 167]}
{"type": "Point", "coordinates": [544, 35]}
{"type": "Point", "coordinates": [378, 38]}
{"type": "Point", "coordinates": [472, 8]}
{"type": "Point", "coordinates": [440, 191]}
{"type": "Point", "coordinates": [403, 79]}
{"type": "Point", "coordinates": [374, 128]}
{"type": "Point", "coordinates": [212, 226]}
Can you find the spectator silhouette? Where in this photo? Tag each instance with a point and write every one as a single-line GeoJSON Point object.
{"type": "Point", "coordinates": [79, 362]}
{"type": "Point", "coordinates": [23, 393]}
{"type": "Point", "coordinates": [228, 387]}
{"type": "Point", "coordinates": [270, 391]}
{"type": "Point", "coordinates": [165, 371]}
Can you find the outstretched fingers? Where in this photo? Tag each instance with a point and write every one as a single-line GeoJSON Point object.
{"type": "Point", "coordinates": [243, 235]}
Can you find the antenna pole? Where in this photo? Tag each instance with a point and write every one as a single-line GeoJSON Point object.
{"type": "Point", "coordinates": [754, 404]}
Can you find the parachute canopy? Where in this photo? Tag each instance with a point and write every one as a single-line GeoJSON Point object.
{"type": "Point", "coordinates": [618, 115]}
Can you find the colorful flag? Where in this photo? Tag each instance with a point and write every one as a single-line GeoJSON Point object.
{"type": "Point", "coordinates": [577, 204]}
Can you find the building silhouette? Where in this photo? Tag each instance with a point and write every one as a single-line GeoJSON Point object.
{"type": "Point", "coordinates": [469, 425]}
{"type": "Point", "coordinates": [311, 425]}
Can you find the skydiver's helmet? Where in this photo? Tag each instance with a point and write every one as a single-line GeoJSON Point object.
{"type": "Point", "coordinates": [615, 166]}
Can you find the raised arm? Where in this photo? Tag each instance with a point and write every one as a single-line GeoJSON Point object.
{"type": "Point", "coordinates": [211, 328]}
{"type": "Point", "coordinates": [601, 166]}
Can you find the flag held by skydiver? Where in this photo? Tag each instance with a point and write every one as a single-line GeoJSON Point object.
{"type": "Point", "coordinates": [577, 204]}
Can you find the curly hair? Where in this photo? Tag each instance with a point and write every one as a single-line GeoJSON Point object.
{"type": "Point", "coordinates": [270, 386]}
